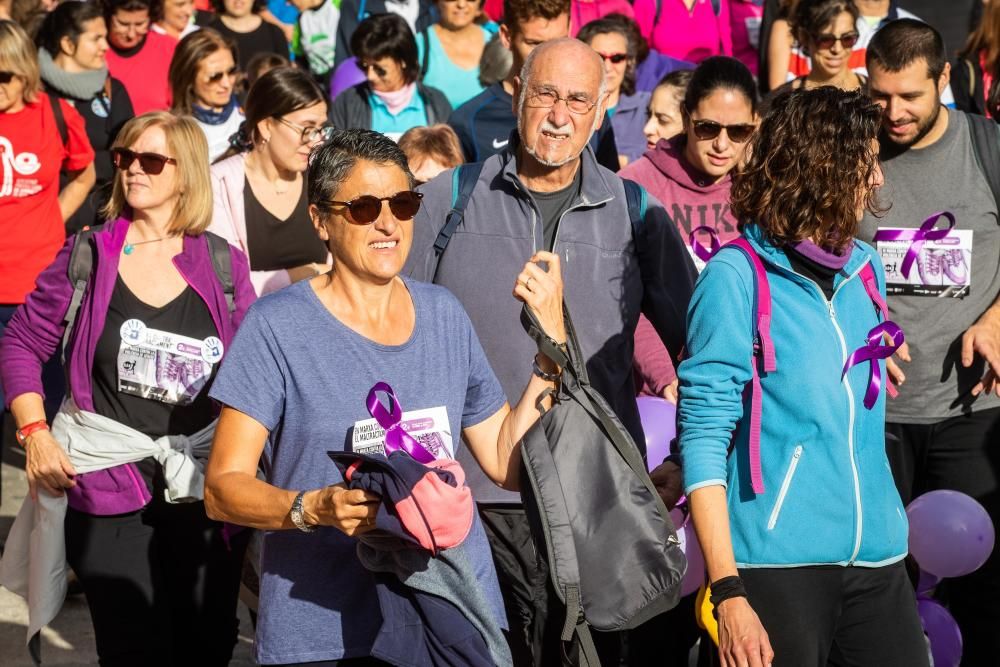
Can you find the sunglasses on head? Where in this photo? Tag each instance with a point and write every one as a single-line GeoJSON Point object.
{"type": "Point", "coordinates": [151, 163]}
{"type": "Point", "coordinates": [366, 209]}
{"type": "Point", "coordinates": [614, 58]}
{"type": "Point", "coordinates": [709, 129]}
{"type": "Point", "coordinates": [847, 40]}
{"type": "Point", "coordinates": [216, 77]}
{"type": "Point", "coordinates": [6, 77]}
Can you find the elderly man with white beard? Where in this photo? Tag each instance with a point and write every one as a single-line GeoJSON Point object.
{"type": "Point", "coordinates": [546, 191]}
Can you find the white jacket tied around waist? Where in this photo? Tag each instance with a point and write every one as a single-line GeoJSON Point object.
{"type": "Point", "coordinates": [34, 559]}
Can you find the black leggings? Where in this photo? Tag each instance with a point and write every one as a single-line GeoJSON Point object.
{"type": "Point", "coordinates": [838, 616]}
{"type": "Point", "coordinates": [161, 584]}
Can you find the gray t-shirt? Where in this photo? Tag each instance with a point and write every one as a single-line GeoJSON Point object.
{"type": "Point", "coordinates": [551, 206]}
{"type": "Point", "coordinates": [305, 376]}
{"type": "Point", "coordinates": [944, 176]}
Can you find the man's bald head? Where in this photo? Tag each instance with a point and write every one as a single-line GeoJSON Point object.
{"type": "Point", "coordinates": [567, 55]}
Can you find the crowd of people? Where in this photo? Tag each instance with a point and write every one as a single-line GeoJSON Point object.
{"type": "Point", "coordinates": [234, 231]}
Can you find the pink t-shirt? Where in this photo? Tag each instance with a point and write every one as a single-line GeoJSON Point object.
{"type": "Point", "coordinates": [582, 12]}
{"type": "Point", "coordinates": [144, 74]}
{"type": "Point", "coordinates": [745, 19]}
{"type": "Point", "coordinates": [691, 35]}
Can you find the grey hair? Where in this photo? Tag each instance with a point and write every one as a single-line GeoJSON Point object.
{"type": "Point", "coordinates": [332, 162]}
{"type": "Point", "coordinates": [525, 77]}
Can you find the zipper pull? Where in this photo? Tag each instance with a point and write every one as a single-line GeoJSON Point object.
{"type": "Point", "coordinates": [833, 313]}
{"type": "Point", "coordinates": [797, 452]}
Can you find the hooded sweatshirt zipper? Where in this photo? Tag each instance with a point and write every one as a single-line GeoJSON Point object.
{"type": "Point", "coordinates": [859, 526]}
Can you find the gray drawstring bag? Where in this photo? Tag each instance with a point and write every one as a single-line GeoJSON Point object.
{"type": "Point", "coordinates": [612, 550]}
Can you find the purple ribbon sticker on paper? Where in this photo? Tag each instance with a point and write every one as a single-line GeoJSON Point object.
{"type": "Point", "coordinates": [873, 351]}
{"type": "Point", "coordinates": [700, 251]}
{"type": "Point", "coordinates": [916, 237]}
{"type": "Point", "coordinates": [395, 437]}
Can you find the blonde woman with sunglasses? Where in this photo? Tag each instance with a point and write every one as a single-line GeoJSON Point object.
{"type": "Point", "coordinates": [116, 474]}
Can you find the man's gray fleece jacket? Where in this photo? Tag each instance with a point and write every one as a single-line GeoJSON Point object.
{"type": "Point", "coordinates": [609, 276]}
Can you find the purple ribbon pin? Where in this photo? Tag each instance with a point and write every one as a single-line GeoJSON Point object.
{"type": "Point", "coordinates": [395, 437]}
{"type": "Point", "coordinates": [916, 237]}
{"type": "Point", "coordinates": [700, 251]}
{"type": "Point", "coordinates": [873, 351]}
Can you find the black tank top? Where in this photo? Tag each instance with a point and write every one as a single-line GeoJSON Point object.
{"type": "Point", "coordinates": [275, 244]}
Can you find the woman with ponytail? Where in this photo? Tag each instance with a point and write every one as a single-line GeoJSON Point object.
{"type": "Point", "coordinates": [260, 195]}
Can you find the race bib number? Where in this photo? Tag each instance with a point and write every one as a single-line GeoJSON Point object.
{"type": "Point", "coordinates": [941, 268]}
{"type": "Point", "coordinates": [430, 427]}
{"type": "Point", "coordinates": [163, 366]}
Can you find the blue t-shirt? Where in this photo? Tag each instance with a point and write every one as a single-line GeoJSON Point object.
{"type": "Point", "coordinates": [414, 114]}
{"type": "Point", "coordinates": [458, 85]}
{"type": "Point", "coordinates": [304, 376]}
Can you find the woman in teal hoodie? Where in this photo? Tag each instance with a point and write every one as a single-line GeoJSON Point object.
{"type": "Point", "coordinates": [805, 552]}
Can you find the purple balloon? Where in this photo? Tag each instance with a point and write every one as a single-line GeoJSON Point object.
{"type": "Point", "coordinates": [659, 424]}
{"type": "Point", "coordinates": [346, 75]}
{"type": "Point", "coordinates": [926, 582]}
{"type": "Point", "coordinates": [942, 632]}
{"type": "Point", "coordinates": [695, 575]}
{"type": "Point", "coordinates": [950, 533]}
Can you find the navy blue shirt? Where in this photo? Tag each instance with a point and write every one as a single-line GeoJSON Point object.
{"type": "Point", "coordinates": [484, 123]}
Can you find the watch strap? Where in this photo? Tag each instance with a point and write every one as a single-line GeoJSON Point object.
{"type": "Point", "coordinates": [297, 517]}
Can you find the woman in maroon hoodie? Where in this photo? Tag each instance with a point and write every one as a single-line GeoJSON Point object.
{"type": "Point", "coordinates": [690, 175]}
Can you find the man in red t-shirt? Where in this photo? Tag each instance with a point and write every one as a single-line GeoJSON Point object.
{"type": "Point", "coordinates": [138, 57]}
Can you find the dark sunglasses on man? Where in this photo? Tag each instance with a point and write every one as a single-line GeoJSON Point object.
{"type": "Point", "coordinates": [366, 209]}
{"type": "Point", "coordinates": [151, 163]}
{"type": "Point", "coordinates": [847, 40]}
{"type": "Point", "coordinates": [6, 77]}
{"type": "Point", "coordinates": [709, 129]}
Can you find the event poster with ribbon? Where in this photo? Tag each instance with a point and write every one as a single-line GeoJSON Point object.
{"type": "Point", "coordinates": [927, 261]}
{"type": "Point", "coordinates": [424, 434]}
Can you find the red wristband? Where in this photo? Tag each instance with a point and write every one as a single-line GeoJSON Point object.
{"type": "Point", "coordinates": [22, 433]}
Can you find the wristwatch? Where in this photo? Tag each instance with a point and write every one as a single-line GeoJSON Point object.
{"type": "Point", "coordinates": [296, 515]}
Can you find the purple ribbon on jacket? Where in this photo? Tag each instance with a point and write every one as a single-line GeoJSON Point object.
{"type": "Point", "coordinates": [395, 437]}
{"type": "Point", "coordinates": [700, 251]}
{"type": "Point", "coordinates": [916, 237]}
{"type": "Point", "coordinates": [873, 351]}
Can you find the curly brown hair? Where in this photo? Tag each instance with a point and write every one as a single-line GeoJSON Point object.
{"type": "Point", "coordinates": [812, 162]}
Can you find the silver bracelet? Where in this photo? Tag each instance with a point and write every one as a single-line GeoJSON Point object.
{"type": "Point", "coordinates": [537, 370]}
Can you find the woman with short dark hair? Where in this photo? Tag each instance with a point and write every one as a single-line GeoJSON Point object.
{"type": "Point", "coordinates": [626, 106]}
{"type": "Point", "coordinates": [72, 43]}
{"type": "Point", "coordinates": [392, 100]}
{"type": "Point", "coordinates": [203, 83]}
{"type": "Point", "coordinates": [261, 203]}
{"type": "Point", "coordinates": [303, 384]}
{"type": "Point", "coordinates": [795, 507]}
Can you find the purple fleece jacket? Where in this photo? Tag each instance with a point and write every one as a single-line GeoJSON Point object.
{"type": "Point", "coordinates": [34, 333]}
{"type": "Point", "coordinates": [692, 201]}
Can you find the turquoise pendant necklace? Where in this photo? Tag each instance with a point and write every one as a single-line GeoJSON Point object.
{"type": "Point", "coordinates": [130, 247]}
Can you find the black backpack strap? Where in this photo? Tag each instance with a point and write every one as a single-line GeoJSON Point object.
{"type": "Point", "coordinates": [717, 7]}
{"type": "Point", "coordinates": [636, 200]}
{"type": "Point", "coordinates": [222, 262]}
{"type": "Point", "coordinates": [576, 623]}
{"type": "Point", "coordinates": [425, 63]}
{"type": "Point", "coordinates": [463, 182]}
{"type": "Point", "coordinates": [81, 265]}
{"type": "Point", "coordinates": [986, 145]}
{"type": "Point", "coordinates": [60, 119]}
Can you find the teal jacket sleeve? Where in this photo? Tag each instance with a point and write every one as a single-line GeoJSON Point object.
{"type": "Point", "coordinates": [717, 368]}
